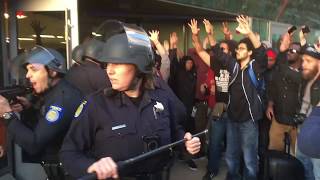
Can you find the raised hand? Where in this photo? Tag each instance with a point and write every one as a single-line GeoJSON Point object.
{"type": "Point", "coordinates": [36, 26]}
{"type": "Point", "coordinates": [317, 47]}
{"type": "Point", "coordinates": [208, 26]}
{"type": "Point", "coordinates": [38, 29]}
{"type": "Point", "coordinates": [154, 36]}
{"type": "Point", "coordinates": [286, 41]}
{"type": "Point", "coordinates": [302, 36]}
{"type": "Point", "coordinates": [173, 39]}
{"type": "Point", "coordinates": [243, 27]}
{"type": "Point", "coordinates": [194, 26]}
{"type": "Point", "coordinates": [225, 28]}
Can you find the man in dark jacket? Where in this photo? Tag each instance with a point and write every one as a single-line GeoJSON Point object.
{"type": "Point", "coordinates": [245, 106]}
{"type": "Point", "coordinates": [284, 94]}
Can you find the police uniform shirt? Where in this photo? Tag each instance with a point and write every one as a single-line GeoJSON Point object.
{"type": "Point", "coordinates": [110, 125]}
{"type": "Point", "coordinates": [55, 117]}
{"type": "Point", "coordinates": [88, 77]}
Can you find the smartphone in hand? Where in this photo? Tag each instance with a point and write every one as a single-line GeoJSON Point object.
{"type": "Point", "coordinates": [292, 29]}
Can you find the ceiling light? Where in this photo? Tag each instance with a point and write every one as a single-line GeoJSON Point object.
{"type": "Point", "coordinates": [20, 15]}
{"type": "Point", "coordinates": [60, 37]}
{"type": "Point", "coordinates": [26, 39]}
{"type": "Point", "coordinates": [6, 15]}
{"type": "Point", "coordinates": [44, 36]}
{"type": "Point", "coordinates": [96, 34]}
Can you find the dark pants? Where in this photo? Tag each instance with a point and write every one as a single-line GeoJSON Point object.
{"type": "Point", "coordinates": [201, 122]}
{"type": "Point", "coordinates": [242, 140]}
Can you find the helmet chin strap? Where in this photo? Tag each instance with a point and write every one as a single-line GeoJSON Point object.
{"type": "Point", "coordinates": [135, 82]}
{"type": "Point", "coordinates": [51, 80]}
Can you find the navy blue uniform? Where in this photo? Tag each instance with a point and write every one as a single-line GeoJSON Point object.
{"type": "Point", "coordinates": [112, 125]}
{"type": "Point", "coordinates": [87, 77]}
{"type": "Point", "coordinates": [54, 118]}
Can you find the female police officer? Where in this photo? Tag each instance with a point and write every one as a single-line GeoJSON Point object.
{"type": "Point", "coordinates": [58, 100]}
{"type": "Point", "coordinates": [118, 123]}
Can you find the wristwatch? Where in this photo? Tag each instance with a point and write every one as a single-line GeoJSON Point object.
{"type": "Point", "coordinates": [8, 116]}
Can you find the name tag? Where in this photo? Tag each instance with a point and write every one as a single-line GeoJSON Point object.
{"type": "Point", "coordinates": [119, 127]}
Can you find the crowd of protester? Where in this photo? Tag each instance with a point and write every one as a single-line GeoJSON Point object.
{"type": "Point", "coordinates": [214, 84]}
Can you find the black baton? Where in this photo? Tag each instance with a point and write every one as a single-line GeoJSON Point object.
{"type": "Point", "coordinates": [121, 164]}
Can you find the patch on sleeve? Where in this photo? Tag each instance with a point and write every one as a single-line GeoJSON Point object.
{"type": "Point", "coordinates": [79, 109]}
{"type": "Point", "coordinates": [53, 114]}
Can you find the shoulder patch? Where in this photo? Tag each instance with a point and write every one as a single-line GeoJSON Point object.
{"type": "Point", "coordinates": [53, 114]}
{"type": "Point", "coordinates": [79, 109]}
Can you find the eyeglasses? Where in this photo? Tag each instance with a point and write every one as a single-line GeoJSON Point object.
{"type": "Point", "coordinates": [293, 51]}
{"type": "Point", "coordinates": [241, 49]}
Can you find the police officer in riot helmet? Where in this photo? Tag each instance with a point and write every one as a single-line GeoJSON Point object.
{"type": "Point", "coordinates": [87, 75]}
{"type": "Point", "coordinates": [57, 103]}
{"type": "Point", "coordinates": [77, 54]}
{"type": "Point", "coordinates": [131, 117]}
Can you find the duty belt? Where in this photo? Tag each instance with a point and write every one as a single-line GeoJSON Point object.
{"type": "Point", "coordinates": [54, 171]}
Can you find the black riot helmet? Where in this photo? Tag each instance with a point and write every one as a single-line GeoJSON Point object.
{"type": "Point", "coordinates": [119, 42]}
{"type": "Point", "coordinates": [77, 54]}
{"type": "Point", "coordinates": [46, 56]}
{"type": "Point", "coordinates": [92, 48]}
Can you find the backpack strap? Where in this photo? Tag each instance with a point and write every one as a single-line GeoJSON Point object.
{"type": "Point", "coordinates": [258, 84]}
{"type": "Point", "coordinates": [253, 77]}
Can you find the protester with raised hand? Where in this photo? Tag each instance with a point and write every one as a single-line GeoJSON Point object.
{"type": "Point", "coordinates": [165, 62]}
{"type": "Point", "coordinates": [245, 107]}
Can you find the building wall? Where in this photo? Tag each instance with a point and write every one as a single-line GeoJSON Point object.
{"type": "Point", "coordinates": [296, 12]}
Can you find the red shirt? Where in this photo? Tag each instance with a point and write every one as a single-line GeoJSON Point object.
{"type": "Point", "coordinates": [202, 70]}
{"type": "Point", "coordinates": [211, 83]}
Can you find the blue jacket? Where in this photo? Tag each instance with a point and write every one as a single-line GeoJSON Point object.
{"type": "Point", "coordinates": [308, 138]}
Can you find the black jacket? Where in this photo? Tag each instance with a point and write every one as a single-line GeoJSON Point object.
{"type": "Point", "coordinates": [252, 109]}
{"type": "Point", "coordinates": [284, 90]}
{"type": "Point", "coordinates": [88, 77]}
{"type": "Point", "coordinates": [184, 82]}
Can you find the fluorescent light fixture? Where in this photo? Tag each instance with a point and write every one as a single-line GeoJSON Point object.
{"type": "Point", "coordinates": [26, 39]}
{"type": "Point", "coordinates": [21, 16]}
{"type": "Point", "coordinates": [44, 36]}
{"type": "Point", "coordinates": [6, 15]}
{"type": "Point", "coordinates": [96, 34]}
{"type": "Point", "coordinates": [60, 37]}
{"type": "Point", "coordinates": [63, 42]}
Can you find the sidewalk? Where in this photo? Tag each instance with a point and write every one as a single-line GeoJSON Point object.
{"type": "Point", "coordinates": [180, 170]}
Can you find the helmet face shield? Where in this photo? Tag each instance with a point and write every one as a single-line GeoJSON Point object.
{"type": "Point", "coordinates": [39, 55]}
{"type": "Point", "coordinates": [124, 43]}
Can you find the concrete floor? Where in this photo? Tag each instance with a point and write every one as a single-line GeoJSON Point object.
{"type": "Point", "coordinates": [180, 170]}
